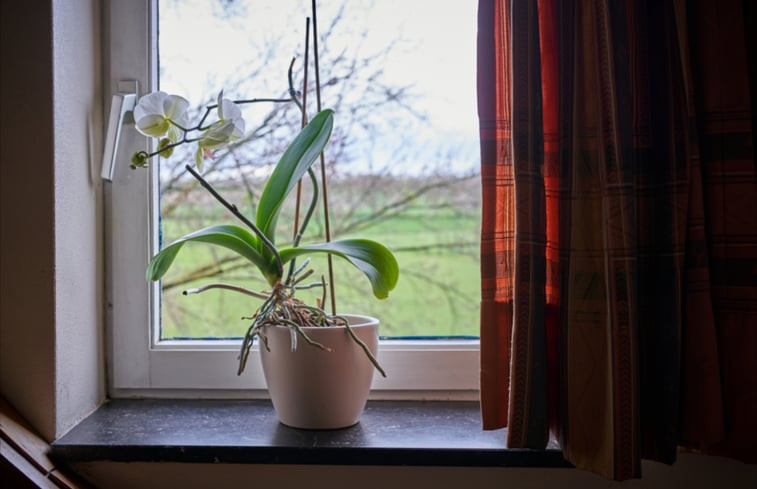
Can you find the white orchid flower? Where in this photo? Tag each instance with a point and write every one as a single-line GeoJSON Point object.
{"type": "Point", "coordinates": [220, 134]}
{"type": "Point", "coordinates": [229, 127]}
{"type": "Point", "coordinates": [229, 111]}
{"type": "Point", "coordinates": [155, 113]}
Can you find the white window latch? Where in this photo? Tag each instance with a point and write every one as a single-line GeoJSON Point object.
{"type": "Point", "coordinates": [122, 103]}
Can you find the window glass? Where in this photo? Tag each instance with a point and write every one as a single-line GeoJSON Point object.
{"type": "Point", "coordinates": [402, 163]}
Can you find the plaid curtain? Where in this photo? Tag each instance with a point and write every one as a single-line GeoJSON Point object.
{"type": "Point", "coordinates": [619, 233]}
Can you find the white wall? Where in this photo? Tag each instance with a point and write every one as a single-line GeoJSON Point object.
{"type": "Point", "coordinates": [78, 210]}
{"type": "Point", "coordinates": [27, 264]}
{"type": "Point", "coordinates": [51, 253]}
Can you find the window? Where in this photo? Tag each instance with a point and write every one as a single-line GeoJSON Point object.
{"type": "Point", "coordinates": [151, 351]}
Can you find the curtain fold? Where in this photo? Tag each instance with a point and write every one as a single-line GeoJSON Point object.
{"type": "Point", "coordinates": [494, 102]}
{"type": "Point", "coordinates": [619, 237]}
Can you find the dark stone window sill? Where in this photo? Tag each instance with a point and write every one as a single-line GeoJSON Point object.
{"type": "Point", "coordinates": [232, 431]}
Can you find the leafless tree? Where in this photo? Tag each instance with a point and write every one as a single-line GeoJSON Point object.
{"type": "Point", "coordinates": [364, 194]}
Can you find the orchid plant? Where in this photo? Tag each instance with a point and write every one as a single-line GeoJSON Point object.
{"type": "Point", "coordinates": [164, 117]}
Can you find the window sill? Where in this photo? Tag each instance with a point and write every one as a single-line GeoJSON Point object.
{"type": "Point", "coordinates": [232, 431]}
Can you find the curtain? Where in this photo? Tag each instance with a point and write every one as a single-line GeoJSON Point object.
{"type": "Point", "coordinates": [619, 228]}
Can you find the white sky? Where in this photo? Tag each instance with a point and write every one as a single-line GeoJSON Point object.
{"type": "Point", "coordinates": [437, 53]}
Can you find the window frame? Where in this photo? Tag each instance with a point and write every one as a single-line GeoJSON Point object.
{"type": "Point", "coordinates": [139, 362]}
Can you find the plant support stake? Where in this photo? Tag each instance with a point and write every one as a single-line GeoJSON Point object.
{"type": "Point", "coordinates": [327, 226]}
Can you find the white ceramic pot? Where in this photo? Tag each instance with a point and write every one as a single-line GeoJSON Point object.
{"type": "Point", "coordinates": [316, 389]}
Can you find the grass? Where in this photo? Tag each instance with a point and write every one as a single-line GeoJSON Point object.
{"type": "Point", "coordinates": [437, 295]}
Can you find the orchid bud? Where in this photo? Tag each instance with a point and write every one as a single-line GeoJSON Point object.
{"type": "Point", "coordinates": [139, 160]}
{"type": "Point", "coordinates": [165, 153]}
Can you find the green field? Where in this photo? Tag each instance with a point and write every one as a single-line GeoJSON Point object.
{"type": "Point", "coordinates": [435, 240]}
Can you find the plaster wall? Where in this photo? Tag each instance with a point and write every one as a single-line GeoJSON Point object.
{"type": "Point", "coordinates": [27, 213]}
{"type": "Point", "coordinates": [78, 130]}
{"type": "Point", "coordinates": [51, 251]}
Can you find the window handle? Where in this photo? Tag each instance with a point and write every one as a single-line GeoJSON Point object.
{"type": "Point", "coordinates": [122, 102]}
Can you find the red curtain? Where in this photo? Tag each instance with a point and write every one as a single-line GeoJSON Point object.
{"type": "Point", "coordinates": [619, 231]}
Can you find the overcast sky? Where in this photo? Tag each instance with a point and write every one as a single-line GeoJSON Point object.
{"type": "Point", "coordinates": [437, 53]}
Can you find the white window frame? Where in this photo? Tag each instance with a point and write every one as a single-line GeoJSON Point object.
{"type": "Point", "coordinates": [140, 364]}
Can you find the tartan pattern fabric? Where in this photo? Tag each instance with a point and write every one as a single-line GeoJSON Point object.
{"type": "Point", "coordinates": [497, 251]}
{"type": "Point", "coordinates": [720, 363]}
{"type": "Point", "coordinates": [619, 232]}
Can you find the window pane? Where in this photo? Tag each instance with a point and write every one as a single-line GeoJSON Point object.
{"type": "Point", "coordinates": [402, 162]}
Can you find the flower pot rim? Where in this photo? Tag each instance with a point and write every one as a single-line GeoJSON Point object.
{"type": "Point", "coordinates": [361, 321]}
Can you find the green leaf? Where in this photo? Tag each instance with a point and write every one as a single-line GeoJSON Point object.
{"type": "Point", "coordinates": [295, 161]}
{"type": "Point", "coordinates": [230, 237]}
{"type": "Point", "coordinates": [372, 258]}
